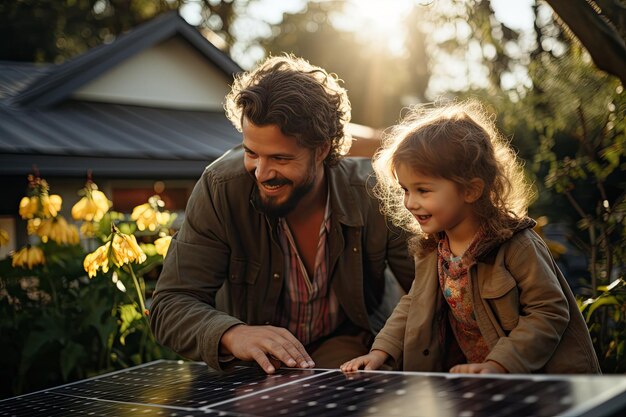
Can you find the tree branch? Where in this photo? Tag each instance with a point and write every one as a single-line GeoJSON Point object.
{"type": "Point", "coordinates": [599, 37]}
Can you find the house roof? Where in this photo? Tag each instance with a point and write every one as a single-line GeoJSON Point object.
{"type": "Point", "coordinates": [40, 124]}
{"type": "Point", "coordinates": [59, 82]}
{"type": "Point", "coordinates": [112, 139]}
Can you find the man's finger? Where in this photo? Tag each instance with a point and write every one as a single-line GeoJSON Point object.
{"type": "Point", "coordinates": [263, 361]}
{"type": "Point", "coordinates": [277, 349]}
{"type": "Point", "coordinates": [300, 355]}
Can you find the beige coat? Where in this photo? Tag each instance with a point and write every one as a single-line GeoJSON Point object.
{"type": "Point", "coordinates": [523, 305]}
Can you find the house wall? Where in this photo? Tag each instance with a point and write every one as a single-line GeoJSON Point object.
{"type": "Point", "coordinates": [171, 75]}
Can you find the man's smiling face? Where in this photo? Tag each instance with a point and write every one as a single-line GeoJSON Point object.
{"type": "Point", "coordinates": [284, 171]}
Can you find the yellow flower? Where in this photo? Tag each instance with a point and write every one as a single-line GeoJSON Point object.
{"type": "Point", "coordinates": [126, 249]}
{"type": "Point", "coordinates": [39, 203]}
{"type": "Point", "coordinates": [122, 249]}
{"type": "Point", "coordinates": [57, 230]}
{"type": "Point", "coordinates": [162, 244]}
{"type": "Point", "coordinates": [33, 225]}
{"type": "Point", "coordinates": [89, 229]}
{"type": "Point", "coordinates": [97, 259]}
{"type": "Point", "coordinates": [28, 207]}
{"type": "Point", "coordinates": [145, 216]}
{"type": "Point", "coordinates": [92, 206]}
{"type": "Point", "coordinates": [148, 215]}
{"type": "Point", "coordinates": [50, 205]}
{"type": "Point", "coordinates": [28, 256]}
{"type": "Point", "coordinates": [4, 237]}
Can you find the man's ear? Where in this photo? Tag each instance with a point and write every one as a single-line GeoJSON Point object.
{"type": "Point", "coordinates": [322, 152]}
{"type": "Point", "coordinates": [474, 190]}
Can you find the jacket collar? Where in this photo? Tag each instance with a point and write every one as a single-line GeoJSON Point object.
{"type": "Point", "coordinates": [343, 201]}
{"type": "Point", "coordinates": [492, 242]}
{"type": "Point", "coordinates": [485, 248]}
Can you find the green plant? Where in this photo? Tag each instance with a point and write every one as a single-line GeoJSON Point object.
{"type": "Point", "coordinates": [61, 323]}
{"type": "Point", "coordinates": [606, 317]}
{"type": "Point", "coordinates": [580, 120]}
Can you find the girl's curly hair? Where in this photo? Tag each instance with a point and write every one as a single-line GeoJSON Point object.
{"type": "Point", "coordinates": [302, 99]}
{"type": "Point", "coordinates": [457, 142]}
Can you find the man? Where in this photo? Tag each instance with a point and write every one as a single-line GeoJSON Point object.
{"type": "Point", "coordinates": [283, 251]}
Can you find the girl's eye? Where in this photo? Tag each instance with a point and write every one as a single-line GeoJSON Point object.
{"type": "Point", "coordinates": [250, 154]}
{"type": "Point", "coordinates": [422, 191]}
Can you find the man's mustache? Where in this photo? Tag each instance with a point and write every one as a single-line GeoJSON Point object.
{"type": "Point", "coordinates": [275, 182]}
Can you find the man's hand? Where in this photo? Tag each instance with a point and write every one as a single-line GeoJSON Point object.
{"type": "Point", "coordinates": [371, 361]}
{"type": "Point", "coordinates": [263, 343]}
{"type": "Point", "coordinates": [489, 367]}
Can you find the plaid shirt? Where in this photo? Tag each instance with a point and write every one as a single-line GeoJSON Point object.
{"type": "Point", "coordinates": [308, 308]}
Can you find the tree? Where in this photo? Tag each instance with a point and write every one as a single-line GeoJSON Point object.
{"type": "Point", "coordinates": [600, 25]}
{"type": "Point", "coordinates": [53, 31]}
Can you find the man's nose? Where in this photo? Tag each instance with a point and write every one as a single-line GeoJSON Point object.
{"type": "Point", "coordinates": [263, 170]}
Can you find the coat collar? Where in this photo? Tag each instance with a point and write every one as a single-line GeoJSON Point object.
{"type": "Point", "coordinates": [486, 246]}
{"type": "Point", "coordinates": [343, 201]}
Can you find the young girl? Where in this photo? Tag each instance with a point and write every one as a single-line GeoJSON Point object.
{"type": "Point", "coordinates": [487, 295]}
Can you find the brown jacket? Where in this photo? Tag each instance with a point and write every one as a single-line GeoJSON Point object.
{"type": "Point", "coordinates": [524, 307]}
{"type": "Point", "coordinates": [225, 266]}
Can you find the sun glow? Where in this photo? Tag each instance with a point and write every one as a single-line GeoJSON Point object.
{"type": "Point", "coordinates": [380, 22]}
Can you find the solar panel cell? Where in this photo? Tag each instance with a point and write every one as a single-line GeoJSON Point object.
{"type": "Point", "coordinates": [170, 388]}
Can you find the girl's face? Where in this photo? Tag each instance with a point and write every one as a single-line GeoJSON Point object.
{"type": "Point", "coordinates": [436, 203]}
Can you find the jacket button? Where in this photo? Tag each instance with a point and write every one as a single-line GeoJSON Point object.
{"type": "Point", "coordinates": [426, 352]}
{"type": "Point", "coordinates": [355, 249]}
{"type": "Point", "coordinates": [276, 276]}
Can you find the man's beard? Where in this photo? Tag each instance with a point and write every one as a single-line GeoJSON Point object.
{"type": "Point", "coordinates": [269, 206]}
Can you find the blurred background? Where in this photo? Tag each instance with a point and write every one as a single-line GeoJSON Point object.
{"type": "Point", "coordinates": [552, 72]}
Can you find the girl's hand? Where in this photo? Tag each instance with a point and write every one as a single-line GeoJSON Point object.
{"type": "Point", "coordinates": [489, 367]}
{"type": "Point", "coordinates": [371, 361]}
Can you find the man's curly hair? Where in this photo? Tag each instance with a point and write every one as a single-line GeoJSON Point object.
{"type": "Point", "coordinates": [302, 99]}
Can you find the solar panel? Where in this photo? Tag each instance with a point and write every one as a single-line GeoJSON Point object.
{"type": "Point", "coordinates": [177, 388]}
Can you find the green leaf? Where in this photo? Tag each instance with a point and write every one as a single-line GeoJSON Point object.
{"type": "Point", "coordinates": [128, 314]}
{"type": "Point", "coordinates": [602, 301]}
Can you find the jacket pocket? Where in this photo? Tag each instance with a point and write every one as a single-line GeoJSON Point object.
{"type": "Point", "coordinates": [241, 271]}
{"type": "Point", "coordinates": [240, 294]}
{"type": "Point", "coordinates": [501, 293]}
